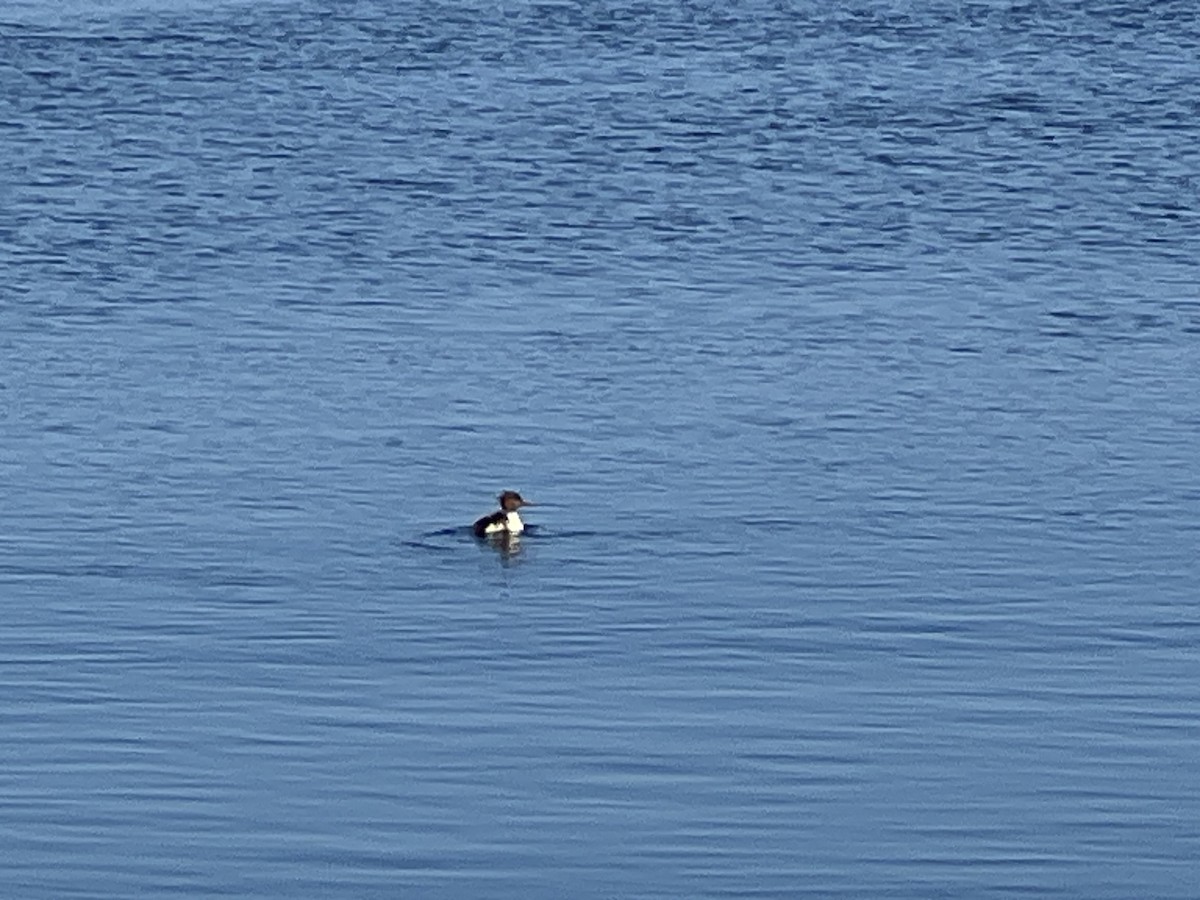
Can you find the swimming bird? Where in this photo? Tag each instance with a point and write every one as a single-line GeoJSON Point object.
{"type": "Point", "coordinates": [505, 520]}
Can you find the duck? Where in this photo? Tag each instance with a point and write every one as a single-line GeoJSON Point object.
{"type": "Point", "coordinates": [506, 520]}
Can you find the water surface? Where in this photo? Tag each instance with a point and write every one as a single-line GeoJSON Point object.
{"type": "Point", "coordinates": [852, 350]}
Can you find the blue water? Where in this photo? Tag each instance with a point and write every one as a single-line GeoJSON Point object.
{"type": "Point", "coordinates": [852, 349]}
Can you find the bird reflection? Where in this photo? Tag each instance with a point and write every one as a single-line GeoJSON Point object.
{"type": "Point", "coordinates": [506, 546]}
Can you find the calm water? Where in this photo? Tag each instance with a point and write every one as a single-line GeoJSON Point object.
{"type": "Point", "coordinates": [853, 348]}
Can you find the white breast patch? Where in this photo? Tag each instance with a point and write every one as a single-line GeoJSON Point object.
{"type": "Point", "coordinates": [512, 524]}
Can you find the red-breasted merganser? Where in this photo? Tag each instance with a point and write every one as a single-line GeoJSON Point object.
{"type": "Point", "coordinates": [504, 521]}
